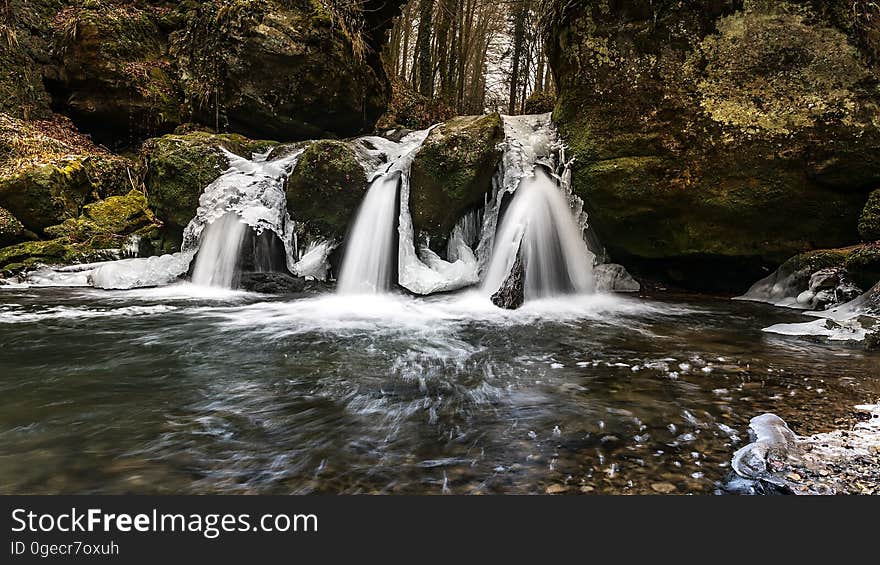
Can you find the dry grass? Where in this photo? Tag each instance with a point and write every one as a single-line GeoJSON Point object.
{"type": "Point", "coordinates": [27, 144]}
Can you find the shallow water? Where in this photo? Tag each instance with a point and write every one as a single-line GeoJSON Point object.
{"type": "Point", "coordinates": [187, 390]}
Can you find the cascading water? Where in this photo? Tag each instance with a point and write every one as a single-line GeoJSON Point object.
{"type": "Point", "coordinates": [539, 227]}
{"type": "Point", "coordinates": [217, 263]}
{"type": "Point", "coordinates": [368, 267]}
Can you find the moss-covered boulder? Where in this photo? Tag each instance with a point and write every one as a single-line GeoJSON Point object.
{"type": "Point", "coordinates": [453, 171]}
{"type": "Point", "coordinates": [285, 69]}
{"type": "Point", "coordinates": [48, 172]}
{"type": "Point", "coordinates": [176, 168]}
{"type": "Point", "coordinates": [326, 188]}
{"type": "Point", "coordinates": [114, 218]}
{"type": "Point", "coordinates": [862, 262]}
{"type": "Point", "coordinates": [112, 73]}
{"type": "Point", "coordinates": [100, 232]}
{"type": "Point", "coordinates": [869, 221]}
{"type": "Point", "coordinates": [716, 138]}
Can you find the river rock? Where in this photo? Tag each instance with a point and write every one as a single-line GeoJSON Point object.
{"type": "Point", "coordinates": [511, 295]}
{"type": "Point", "coordinates": [705, 132]}
{"type": "Point", "coordinates": [326, 187]}
{"type": "Point", "coordinates": [271, 283]}
{"type": "Point", "coordinates": [611, 277]}
{"type": "Point", "coordinates": [176, 168]}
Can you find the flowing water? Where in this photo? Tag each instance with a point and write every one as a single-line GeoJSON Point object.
{"type": "Point", "coordinates": [192, 390]}
{"type": "Point", "coordinates": [218, 260]}
{"type": "Point", "coordinates": [370, 253]}
{"type": "Point", "coordinates": [539, 225]}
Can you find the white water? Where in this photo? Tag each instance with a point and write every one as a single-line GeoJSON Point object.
{"type": "Point", "coordinates": [219, 251]}
{"type": "Point", "coordinates": [368, 264]}
{"type": "Point", "coordinates": [539, 224]}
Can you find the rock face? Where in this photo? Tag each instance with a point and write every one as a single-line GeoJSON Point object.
{"type": "Point", "coordinates": [11, 230]}
{"type": "Point", "coordinates": [714, 138]}
{"type": "Point", "coordinates": [112, 73]}
{"type": "Point", "coordinates": [326, 187]}
{"type": "Point", "coordinates": [453, 171]}
{"type": "Point", "coordinates": [284, 69]}
{"type": "Point", "coordinates": [125, 71]}
{"type": "Point", "coordinates": [48, 172]}
{"type": "Point", "coordinates": [176, 168]}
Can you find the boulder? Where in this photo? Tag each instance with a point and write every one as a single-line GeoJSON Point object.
{"type": "Point", "coordinates": [326, 187]}
{"type": "Point", "coordinates": [453, 170]}
{"type": "Point", "coordinates": [271, 283]}
{"type": "Point", "coordinates": [176, 168]}
{"type": "Point", "coordinates": [48, 172]}
{"type": "Point", "coordinates": [713, 139]}
{"type": "Point", "coordinates": [12, 230]}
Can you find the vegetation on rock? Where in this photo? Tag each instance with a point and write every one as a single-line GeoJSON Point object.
{"type": "Point", "coordinates": [176, 168]}
{"type": "Point", "coordinates": [453, 171]}
{"type": "Point", "coordinates": [326, 188]}
{"type": "Point", "coordinates": [714, 140]}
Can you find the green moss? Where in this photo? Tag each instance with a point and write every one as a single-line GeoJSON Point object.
{"type": "Point", "coordinates": [869, 221]}
{"type": "Point", "coordinates": [175, 169]}
{"type": "Point", "coordinates": [453, 170]}
{"type": "Point", "coordinates": [113, 218]}
{"type": "Point", "coordinates": [863, 265]}
{"type": "Point", "coordinates": [326, 187]}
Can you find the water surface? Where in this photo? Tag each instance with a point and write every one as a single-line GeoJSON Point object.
{"type": "Point", "coordinates": [176, 391]}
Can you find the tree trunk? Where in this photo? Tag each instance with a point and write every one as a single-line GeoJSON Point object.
{"type": "Point", "coordinates": [423, 49]}
{"type": "Point", "coordinates": [519, 40]}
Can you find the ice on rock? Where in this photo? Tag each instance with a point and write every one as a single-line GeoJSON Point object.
{"type": "Point", "coordinates": [138, 273]}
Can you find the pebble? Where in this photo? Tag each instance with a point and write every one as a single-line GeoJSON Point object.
{"type": "Point", "coordinates": [663, 488]}
{"type": "Point", "coordinates": [556, 489]}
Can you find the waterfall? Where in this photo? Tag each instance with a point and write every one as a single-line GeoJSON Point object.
{"type": "Point", "coordinates": [217, 263]}
{"type": "Point", "coordinates": [368, 266]}
{"type": "Point", "coordinates": [539, 224]}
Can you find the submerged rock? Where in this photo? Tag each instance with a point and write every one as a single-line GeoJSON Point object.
{"type": "Point", "coordinates": [511, 295]}
{"type": "Point", "coordinates": [705, 132]}
{"type": "Point", "coordinates": [453, 170]}
{"type": "Point", "coordinates": [271, 283]}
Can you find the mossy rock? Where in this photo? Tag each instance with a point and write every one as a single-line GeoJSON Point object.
{"type": "Point", "coordinates": [175, 169]}
{"type": "Point", "coordinates": [862, 262]}
{"type": "Point", "coordinates": [114, 217]}
{"type": "Point", "coordinates": [103, 228]}
{"type": "Point", "coordinates": [326, 187]}
{"type": "Point", "coordinates": [716, 139]}
{"type": "Point", "coordinates": [869, 221]}
{"type": "Point", "coordinates": [453, 171]}
{"type": "Point", "coordinates": [12, 230]}
{"type": "Point", "coordinates": [24, 53]}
